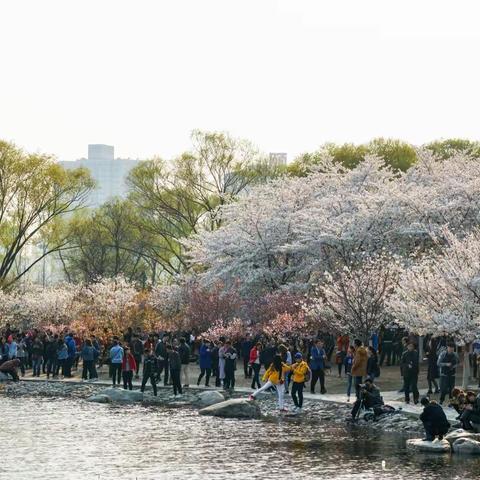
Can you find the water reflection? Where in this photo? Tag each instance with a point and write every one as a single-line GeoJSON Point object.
{"type": "Point", "coordinates": [61, 439]}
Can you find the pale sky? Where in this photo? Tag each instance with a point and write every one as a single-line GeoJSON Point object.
{"type": "Point", "coordinates": [288, 75]}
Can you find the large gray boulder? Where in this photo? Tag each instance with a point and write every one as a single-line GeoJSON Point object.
{"type": "Point", "coordinates": [122, 396]}
{"type": "Point", "coordinates": [437, 446]}
{"type": "Point", "coordinates": [466, 446]}
{"type": "Point", "coordinates": [99, 399]}
{"type": "Point", "coordinates": [454, 435]}
{"type": "Point", "coordinates": [210, 397]}
{"type": "Point", "coordinates": [235, 408]}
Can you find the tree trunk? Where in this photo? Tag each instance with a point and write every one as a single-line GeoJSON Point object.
{"type": "Point", "coordinates": [420, 348]}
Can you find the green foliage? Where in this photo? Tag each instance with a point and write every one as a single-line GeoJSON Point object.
{"type": "Point", "coordinates": [446, 148]}
{"type": "Point", "coordinates": [35, 194]}
{"type": "Point", "coordinates": [108, 242]}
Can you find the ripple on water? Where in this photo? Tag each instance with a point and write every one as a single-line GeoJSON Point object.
{"type": "Point", "coordinates": [70, 439]}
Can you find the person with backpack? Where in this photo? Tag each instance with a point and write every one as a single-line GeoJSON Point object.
{"type": "Point", "coordinates": [37, 357]}
{"type": "Point", "coordinates": [274, 378]}
{"type": "Point", "coordinates": [300, 374]}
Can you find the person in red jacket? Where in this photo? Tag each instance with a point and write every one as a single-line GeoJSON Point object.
{"type": "Point", "coordinates": [129, 366]}
{"type": "Point", "coordinates": [254, 362]}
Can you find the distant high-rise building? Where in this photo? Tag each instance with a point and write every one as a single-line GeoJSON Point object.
{"type": "Point", "coordinates": [109, 172]}
{"type": "Point", "coordinates": [278, 159]}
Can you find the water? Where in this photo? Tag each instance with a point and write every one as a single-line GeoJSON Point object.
{"type": "Point", "coordinates": [72, 439]}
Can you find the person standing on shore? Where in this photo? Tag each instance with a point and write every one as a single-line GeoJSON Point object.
{"type": "Point", "coordinates": [129, 365]}
{"type": "Point", "coordinates": [447, 362]}
{"type": "Point", "coordinates": [255, 364]}
{"type": "Point", "coordinates": [373, 370]}
{"type": "Point", "coordinates": [37, 356]}
{"type": "Point", "coordinates": [299, 375]}
{"type": "Point", "coordinates": [137, 350]}
{"type": "Point", "coordinates": [184, 352]}
{"type": "Point", "coordinates": [116, 359]}
{"type": "Point", "coordinates": [410, 369]}
{"type": "Point", "coordinates": [88, 357]}
{"type": "Point", "coordinates": [175, 367]}
{"type": "Point", "coordinates": [205, 362]}
{"type": "Point", "coordinates": [348, 370]}
{"type": "Point", "coordinates": [317, 365]}
{"type": "Point", "coordinates": [432, 369]}
{"type": "Point", "coordinates": [359, 365]}
{"type": "Point", "coordinates": [150, 371]}
{"type": "Point", "coordinates": [246, 347]}
{"type": "Point", "coordinates": [230, 365]}
{"type": "Point", "coordinates": [221, 361]}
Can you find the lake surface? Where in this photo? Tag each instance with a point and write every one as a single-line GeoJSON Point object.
{"type": "Point", "coordinates": [72, 439]}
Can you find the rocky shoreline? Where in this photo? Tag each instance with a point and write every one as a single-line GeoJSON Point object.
{"type": "Point", "coordinates": [264, 408]}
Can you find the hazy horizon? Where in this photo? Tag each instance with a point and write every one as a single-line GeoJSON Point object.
{"type": "Point", "coordinates": [289, 76]}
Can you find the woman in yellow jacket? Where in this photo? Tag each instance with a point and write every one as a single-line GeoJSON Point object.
{"type": "Point", "coordinates": [300, 369]}
{"type": "Point", "coordinates": [275, 377]}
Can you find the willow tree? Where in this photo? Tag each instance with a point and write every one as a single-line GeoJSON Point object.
{"type": "Point", "coordinates": [35, 195]}
{"type": "Point", "coordinates": [179, 198]}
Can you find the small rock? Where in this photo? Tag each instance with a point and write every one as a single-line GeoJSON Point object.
{"type": "Point", "coordinates": [466, 446]}
{"type": "Point", "coordinates": [437, 446]}
{"type": "Point", "coordinates": [99, 399]}
{"type": "Point", "coordinates": [454, 435]}
{"type": "Point", "coordinates": [235, 408]}
{"type": "Point", "coordinates": [123, 396]}
{"type": "Point", "coordinates": [211, 397]}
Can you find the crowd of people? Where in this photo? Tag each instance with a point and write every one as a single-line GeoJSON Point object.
{"type": "Point", "coordinates": [288, 363]}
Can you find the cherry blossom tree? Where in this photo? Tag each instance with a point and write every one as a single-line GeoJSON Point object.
{"type": "Point", "coordinates": [441, 293]}
{"type": "Point", "coordinates": [352, 300]}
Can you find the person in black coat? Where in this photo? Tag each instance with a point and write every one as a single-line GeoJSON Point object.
{"type": "Point", "coordinates": [434, 420]}
{"type": "Point", "coordinates": [432, 372]}
{"type": "Point", "coordinates": [410, 368]}
{"type": "Point", "coordinates": [150, 371]}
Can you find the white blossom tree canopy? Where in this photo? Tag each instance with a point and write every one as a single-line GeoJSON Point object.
{"type": "Point", "coordinates": [278, 234]}
{"type": "Point", "coordinates": [441, 293]}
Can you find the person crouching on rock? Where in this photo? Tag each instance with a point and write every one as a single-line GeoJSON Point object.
{"type": "Point", "coordinates": [275, 377]}
{"type": "Point", "coordinates": [369, 397]}
{"type": "Point", "coordinates": [471, 411]}
{"type": "Point", "coordinates": [434, 420]}
{"type": "Point", "coordinates": [10, 368]}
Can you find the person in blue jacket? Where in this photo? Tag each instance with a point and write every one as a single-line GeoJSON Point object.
{"type": "Point", "coordinates": [205, 362]}
{"type": "Point", "coordinates": [72, 350]}
{"type": "Point", "coordinates": [318, 357]}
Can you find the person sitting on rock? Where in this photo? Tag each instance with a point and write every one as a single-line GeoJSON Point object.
{"type": "Point", "coordinates": [458, 400]}
{"type": "Point", "coordinates": [434, 420]}
{"type": "Point", "coordinates": [471, 411]}
{"type": "Point", "coordinates": [369, 397]}
{"type": "Point", "coordinates": [10, 368]}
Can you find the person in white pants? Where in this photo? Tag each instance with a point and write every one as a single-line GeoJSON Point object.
{"type": "Point", "coordinates": [275, 377]}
